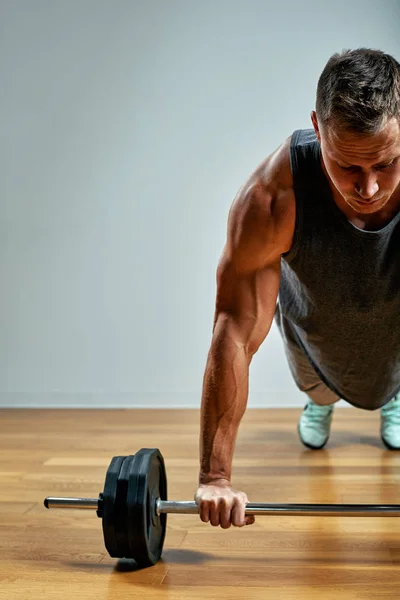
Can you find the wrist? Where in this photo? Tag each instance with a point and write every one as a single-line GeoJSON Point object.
{"type": "Point", "coordinates": [207, 479]}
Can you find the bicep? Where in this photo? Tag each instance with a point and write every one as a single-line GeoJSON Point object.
{"type": "Point", "coordinates": [248, 301]}
{"type": "Point", "coordinates": [260, 228]}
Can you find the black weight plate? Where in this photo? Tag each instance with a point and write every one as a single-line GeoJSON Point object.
{"type": "Point", "coordinates": [147, 483]}
{"type": "Point", "coordinates": [109, 498]}
{"type": "Point", "coordinates": [121, 509]}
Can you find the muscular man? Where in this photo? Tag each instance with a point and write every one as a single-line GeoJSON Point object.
{"type": "Point", "coordinates": [314, 241]}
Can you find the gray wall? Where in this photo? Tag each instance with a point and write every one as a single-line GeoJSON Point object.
{"type": "Point", "coordinates": [126, 129]}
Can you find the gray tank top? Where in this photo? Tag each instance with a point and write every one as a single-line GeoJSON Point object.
{"type": "Point", "coordinates": [340, 288]}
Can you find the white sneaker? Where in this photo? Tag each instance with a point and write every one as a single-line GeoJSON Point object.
{"type": "Point", "coordinates": [315, 425]}
{"type": "Point", "coordinates": [390, 423]}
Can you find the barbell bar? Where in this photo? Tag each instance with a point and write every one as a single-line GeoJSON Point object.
{"type": "Point", "coordinates": [186, 507]}
{"type": "Point", "coordinates": [133, 507]}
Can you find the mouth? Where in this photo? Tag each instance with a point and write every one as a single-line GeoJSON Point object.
{"type": "Point", "coordinates": [367, 202]}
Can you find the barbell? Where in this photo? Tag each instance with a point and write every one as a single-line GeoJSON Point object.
{"type": "Point", "coordinates": [133, 507]}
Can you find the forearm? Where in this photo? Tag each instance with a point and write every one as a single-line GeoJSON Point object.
{"type": "Point", "coordinates": [224, 399]}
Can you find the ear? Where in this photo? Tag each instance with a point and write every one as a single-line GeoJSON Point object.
{"type": "Point", "coordinates": [314, 120]}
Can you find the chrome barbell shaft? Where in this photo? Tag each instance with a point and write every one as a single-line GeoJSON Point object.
{"type": "Point", "coordinates": [307, 510]}
{"type": "Point", "coordinates": [90, 503]}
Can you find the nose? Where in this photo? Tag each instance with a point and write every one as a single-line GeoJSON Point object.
{"type": "Point", "coordinates": [367, 186]}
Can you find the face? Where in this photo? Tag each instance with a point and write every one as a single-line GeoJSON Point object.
{"type": "Point", "coordinates": [365, 170]}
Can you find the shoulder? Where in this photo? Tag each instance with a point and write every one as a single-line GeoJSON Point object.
{"type": "Point", "coordinates": [262, 216]}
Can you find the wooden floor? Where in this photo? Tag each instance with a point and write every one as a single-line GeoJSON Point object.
{"type": "Point", "coordinates": [59, 554]}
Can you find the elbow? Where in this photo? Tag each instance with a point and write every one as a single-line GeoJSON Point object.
{"type": "Point", "coordinates": [256, 337]}
{"type": "Point", "coordinates": [252, 348]}
{"type": "Point", "coordinates": [246, 339]}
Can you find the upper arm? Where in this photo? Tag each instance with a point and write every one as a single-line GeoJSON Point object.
{"type": "Point", "coordinates": [260, 230]}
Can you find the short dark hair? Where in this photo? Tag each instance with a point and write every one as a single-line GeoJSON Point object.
{"type": "Point", "coordinates": [359, 91]}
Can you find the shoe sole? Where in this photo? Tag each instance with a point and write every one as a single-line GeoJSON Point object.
{"type": "Point", "coordinates": [388, 446]}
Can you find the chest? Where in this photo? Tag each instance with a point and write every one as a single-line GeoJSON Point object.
{"type": "Point", "coordinates": [345, 269]}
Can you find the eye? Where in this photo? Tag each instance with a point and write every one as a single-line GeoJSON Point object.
{"type": "Point", "coordinates": [379, 168]}
{"type": "Point", "coordinates": [387, 166]}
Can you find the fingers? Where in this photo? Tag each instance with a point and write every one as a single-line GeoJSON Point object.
{"type": "Point", "coordinates": [214, 512]}
{"type": "Point", "coordinates": [220, 513]}
{"type": "Point", "coordinates": [223, 508]}
{"type": "Point", "coordinates": [250, 519]}
{"type": "Point", "coordinates": [205, 511]}
{"type": "Point", "coordinates": [238, 513]}
{"type": "Point", "coordinates": [225, 513]}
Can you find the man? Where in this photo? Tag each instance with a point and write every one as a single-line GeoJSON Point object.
{"type": "Point", "coordinates": [317, 228]}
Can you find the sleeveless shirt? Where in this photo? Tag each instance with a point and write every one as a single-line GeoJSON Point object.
{"type": "Point", "coordinates": [340, 288]}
